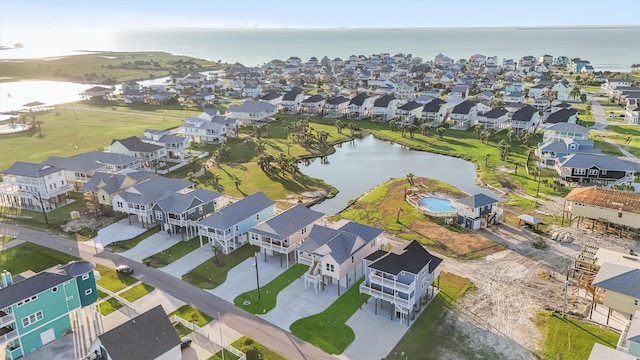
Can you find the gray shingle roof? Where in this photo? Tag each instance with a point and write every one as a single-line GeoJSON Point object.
{"type": "Point", "coordinates": [433, 105]}
{"type": "Point", "coordinates": [359, 99]}
{"type": "Point", "coordinates": [113, 182]}
{"type": "Point", "coordinates": [153, 190]}
{"type": "Point", "coordinates": [28, 169]}
{"type": "Point", "coordinates": [568, 127]}
{"type": "Point", "coordinates": [464, 107]}
{"type": "Point", "coordinates": [478, 200]}
{"type": "Point", "coordinates": [236, 212]}
{"type": "Point", "coordinates": [145, 337]}
{"type": "Point", "coordinates": [366, 232]}
{"type": "Point", "coordinates": [495, 113]}
{"type": "Point", "coordinates": [291, 95]}
{"type": "Point", "coordinates": [30, 286]}
{"type": "Point", "coordinates": [287, 223]}
{"type": "Point", "coordinates": [313, 99]}
{"type": "Point", "coordinates": [524, 114]}
{"type": "Point", "coordinates": [252, 107]}
{"type": "Point", "coordinates": [86, 162]}
{"type": "Point", "coordinates": [561, 115]}
{"type": "Point", "coordinates": [337, 100]}
{"type": "Point", "coordinates": [383, 101]}
{"type": "Point", "coordinates": [411, 257]}
{"type": "Point", "coordinates": [411, 105]}
{"type": "Point", "coordinates": [177, 203]}
{"type": "Point", "coordinates": [619, 278]}
{"type": "Point", "coordinates": [602, 162]}
{"type": "Point", "coordinates": [341, 241]}
{"type": "Point", "coordinates": [133, 143]}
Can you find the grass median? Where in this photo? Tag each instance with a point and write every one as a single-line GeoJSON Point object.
{"type": "Point", "coordinates": [29, 256]}
{"type": "Point", "coordinates": [210, 274]}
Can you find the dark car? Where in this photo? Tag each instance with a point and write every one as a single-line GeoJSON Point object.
{"type": "Point", "coordinates": [124, 269]}
{"type": "Point", "coordinates": [185, 342]}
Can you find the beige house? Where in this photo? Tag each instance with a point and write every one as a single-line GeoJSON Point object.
{"type": "Point", "coordinates": [604, 205]}
{"type": "Point", "coordinates": [620, 287]}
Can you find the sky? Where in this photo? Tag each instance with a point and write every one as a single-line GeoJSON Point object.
{"type": "Point", "coordinates": [80, 14]}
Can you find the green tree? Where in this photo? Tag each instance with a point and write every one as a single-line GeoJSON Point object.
{"type": "Point", "coordinates": [410, 177]}
{"type": "Point", "coordinates": [440, 130]}
{"type": "Point", "coordinates": [339, 125]}
{"type": "Point", "coordinates": [504, 149]}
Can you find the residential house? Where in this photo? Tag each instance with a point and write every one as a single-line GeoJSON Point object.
{"type": "Point", "coordinates": [629, 341]}
{"type": "Point", "coordinates": [97, 93]}
{"type": "Point", "coordinates": [140, 198]}
{"type": "Point", "coordinates": [610, 85]}
{"type": "Point", "coordinates": [252, 90]}
{"type": "Point", "coordinates": [553, 151]}
{"type": "Point", "coordinates": [179, 212]}
{"type": "Point", "coordinates": [594, 169]}
{"type": "Point", "coordinates": [148, 154]}
{"type": "Point", "coordinates": [403, 277]}
{"type": "Point", "coordinates": [561, 131]}
{"type": "Point", "coordinates": [514, 97]}
{"type": "Point", "coordinates": [251, 112]}
{"type": "Point", "coordinates": [78, 170]}
{"type": "Point", "coordinates": [599, 352]}
{"type": "Point", "coordinates": [515, 86]}
{"type": "Point", "coordinates": [208, 114]}
{"type": "Point", "coordinates": [272, 97]}
{"type": "Point", "coordinates": [613, 206]}
{"type": "Point", "coordinates": [442, 60]}
{"type": "Point", "coordinates": [538, 90]}
{"type": "Point", "coordinates": [526, 118]}
{"type": "Point", "coordinates": [461, 91]}
{"type": "Point", "coordinates": [495, 118]}
{"type": "Point", "coordinates": [576, 64]}
{"type": "Point", "coordinates": [36, 309]}
{"type": "Point", "coordinates": [464, 115]}
{"type": "Point", "coordinates": [405, 90]}
{"type": "Point", "coordinates": [336, 106]}
{"type": "Point", "coordinates": [477, 211]}
{"type": "Point", "coordinates": [360, 106]}
{"type": "Point", "coordinates": [176, 145]}
{"type": "Point", "coordinates": [632, 112]}
{"type": "Point", "coordinates": [283, 233]}
{"type": "Point", "coordinates": [485, 95]}
{"type": "Point", "coordinates": [562, 116]}
{"type": "Point", "coordinates": [228, 228]}
{"type": "Point", "coordinates": [384, 107]}
{"type": "Point", "coordinates": [148, 336]}
{"type": "Point", "coordinates": [542, 102]}
{"type": "Point", "coordinates": [213, 131]}
{"type": "Point", "coordinates": [435, 112]}
{"type": "Point", "coordinates": [619, 283]}
{"type": "Point", "coordinates": [562, 89]}
{"type": "Point", "coordinates": [335, 254]}
{"type": "Point", "coordinates": [33, 186]}
{"type": "Point", "coordinates": [313, 105]}
{"type": "Point", "coordinates": [291, 101]}
{"type": "Point", "coordinates": [408, 112]}
{"type": "Point", "coordinates": [102, 187]}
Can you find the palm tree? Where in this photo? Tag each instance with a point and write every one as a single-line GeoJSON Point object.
{"type": "Point", "coordinates": [392, 123]}
{"type": "Point", "coordinates": [322, 137]}
{"type": "Point", "coordinates": [216, 179]}
{"type": "Point", "coordinates": [403, 129]}
{"type": "Point", "coordinates": [440, 130]}
{"type": "Point", "coordinates": [504, 149]}
{"type": "Point", "coordinates": [486, 159]}
{"type": "Point", "coordinates": [479, 129]}
{"type": "Point", "coordinates": [260, 146]}
{"type": "Point", "coordinates": [575, 93]}
{"type": "Point", "coordinates": [410, 177]}
{"type": "Point", "coordinates": [424, 129]}
{"type": "Point", "coordinates": [352, 128]}
{"type": "Point", "coordinates": [510, 133]}
{"type": "Point", "coordinates": [412, 130]}
{"type": "Point", "coordinates": [339, 125]}
{"type": "Point", "coordinates": [237, 181]}
{"type": "Point", "coordinates": [264, 162]}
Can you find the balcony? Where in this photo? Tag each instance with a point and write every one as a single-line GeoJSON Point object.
{"type": "Point", "coordinates": [7, 336]}
{"type": "Point", "coordinates": [6, 318]}
{"type": "Point", "coordinates": [379, 294]}
{"type": "Point", "coordinates": [269, 244]}
{"type": "Point", "coordinates": [392, 284]}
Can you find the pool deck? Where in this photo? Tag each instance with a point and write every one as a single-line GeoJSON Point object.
{"type": "Point", "coordinates": [414, 200]}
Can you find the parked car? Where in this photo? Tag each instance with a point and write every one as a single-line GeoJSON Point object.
{"type": "Point", "coordinates": [124, 269]}
{"type": "Point", "coordinates": [185, 342]}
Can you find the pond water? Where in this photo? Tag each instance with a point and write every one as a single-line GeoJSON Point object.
{"type": "Point", "coordinates": [360, 165]}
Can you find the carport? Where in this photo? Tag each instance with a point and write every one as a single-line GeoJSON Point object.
{"type": "Point", "coordinates": [531, 221]}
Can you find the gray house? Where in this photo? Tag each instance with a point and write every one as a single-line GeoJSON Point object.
{"type": "Point", "coordinates": [476, 211]}
{"type": "Point", "coordinates": [403, 277]}
{"type": "Point", "coordinates": [594, 169]}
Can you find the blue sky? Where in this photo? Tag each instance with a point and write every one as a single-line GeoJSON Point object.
{"type": "Point", "coordinates": [64, 14]}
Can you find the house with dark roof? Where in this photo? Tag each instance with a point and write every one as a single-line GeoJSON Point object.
{"type": "Point", "coordinates": [176, 145]}
{"type": "Point", "coordinates": [229, 228]}
{"type": "Point", "coordinates": [313, 105]}
{"type": "Point", "coordinates": [33, 186]}
{"type": "Point", "coordinates": [403, 277]}
{"type": "Point", "coordinates": [148, 336]}
{"type": "Point", "coordinates": [408, 112]}
{"type": "Point", "coordinates": [384, 107]}
{"type": "Point", "coordinates": [552, 151]}
{"type": "Point", "coordinates": [594, 169]}
{"type": "Point", "coordinates": [526, 118]}
{"type": "Point", "coordinates": [283, 233]}
{"type": "Point", "coordinates": [477, 211]}
{"type": "Point", "coordinates": [291, 100]}
{"type": "Point", "coordinates": [562, 116]}
{"type": "Point", "coordinates": [138, 200]}
{"type": "Point", "coordinates": [620, 285]}
{"type": "Point", "coordinates": [97, 93]}
{"type": "Point", "coordinates": [133, 146]}
{"type": "Point", "coordinates": [336, 253]}
{"type": "Point", "coordinates": [464, 115]}
{"type": "Point", "coordinates": [251, 112]}
{"type": "Point", "coordinates": [213, 130]}
{"type": "Point", "coordinates": [360, 106]}
{"type": "Point", "coordinates": [495, 118]}
{"type": "Point", "coordinates": [435, 112]}
{"type": "Point", "coordinates": [36, 309]}
{"type": "Point", "coordinates": [178, 212]}
{"type": "Point", "coordinates": [336, 106]}
{"type": "Point", "coordinates": [272, 97]}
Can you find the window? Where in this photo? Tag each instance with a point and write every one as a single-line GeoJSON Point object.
{"type": "Point", "coordinates": [104, 198]}
{"type": "Point", "coordinates": [237, 228]}
{"type": "Point", "coordinates": [257, 216]}
{"type": "Point", "coordinates": [69, 298]}
{"type": "Point", "coordinates": [580, 171]}
{"type": "Point", "coordinates": [593, 172]}
{"type": "Point", "coordinates": [304, 230]}
{"type": "Point", "coordinates": [603, 172]}
{"type": "Point", "coordinates": [330, 267]}
{"type": "Point", "coordinates": [158, 214]}
{"type": "Point", "coordinates": [200, 211]}
{"type": "Point", "coordinates": [88, 291]}
{"type": "Point", "coordinates": [33, 318]}
{"type": "Point", "coordinates": [85, 276]}
{"type": "Point", "coordinates": [352, 259]}
{"type": "Point", "coordinates": [635, 302]}
{"type": "Point", "coordinates": [54, 290]}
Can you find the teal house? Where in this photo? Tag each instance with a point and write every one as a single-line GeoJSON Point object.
{"type": "Point", "coordinates": [35, 308]}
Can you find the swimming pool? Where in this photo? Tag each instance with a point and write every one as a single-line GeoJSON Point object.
{"type": "Point", "coordinates": [437, 205]}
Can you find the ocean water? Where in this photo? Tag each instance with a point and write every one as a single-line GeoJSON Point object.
{"type": "Point", "coordinates": [607, 48]}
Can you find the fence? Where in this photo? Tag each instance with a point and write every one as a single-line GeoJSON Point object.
{"type": "Point", "coordinates": [204, 333]}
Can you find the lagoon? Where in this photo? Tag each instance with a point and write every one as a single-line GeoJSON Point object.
{"type": "Point", "coordinates": [362, 164]}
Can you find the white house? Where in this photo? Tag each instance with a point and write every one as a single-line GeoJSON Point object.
{"type": "Point", "coordinates": [464, 115]}
{"type": "Point", "coordinates": [360, 106]}
{"type": "Point", "coordinates": [33, 186]}
{"type": "Point", "coordinates": [135, 147]}
{"type": "Point", "coordinates": [384, 107]}
{"type": "Point", "coordinates": [251, 112]}
{"type": "Point", "coordinates": [213, 131]}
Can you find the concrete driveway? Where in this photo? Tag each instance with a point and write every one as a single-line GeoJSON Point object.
{"type": "Point", "coordinates": [153, 244]}
{"type": "Point", "coordinates": [189, 261]}
{"type": "Point", "coordinates": [242, 278]}
{"type": "Point", "coordinates": [117, 232]}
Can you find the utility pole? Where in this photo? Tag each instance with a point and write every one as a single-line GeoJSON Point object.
{"type": "Point", "coordinates": [566, 287]}
{"type": "Point", "coordinates": [220, 326]}
{"type": "Point", "coordinates": [44, 212]}
{"type": "Point", "coordinates": [255, 257]}
{"type": "Point", "coordinates": [539, 173]}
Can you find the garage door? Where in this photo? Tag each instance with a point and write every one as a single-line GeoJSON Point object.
{"type": "Point", "coordinates": [47, 336]}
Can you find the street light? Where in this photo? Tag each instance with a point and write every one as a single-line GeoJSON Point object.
{"type": "Point", "coordinates": [255, 258]}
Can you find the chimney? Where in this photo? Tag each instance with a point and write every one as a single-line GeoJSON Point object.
{"type": "Point", "coordinates": [7, 279]}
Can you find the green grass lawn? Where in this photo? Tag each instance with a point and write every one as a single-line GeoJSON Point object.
{"type": "Point", "coordinates": [191, 313]}
{"type": "Point", "coordinates": [269, 292]}
{"type": "Point", "coordinates": [627, 136]}
{"type": "Point", "coordinates": [108, 306]}
{"type": "Point", "coordinates": [124, 245]}
{"type": "Point", "coordinates": [182, 330]}
{"type": "Point", "coordinates": [55, 218]}
{"type": "Point", "coordinates": [5, 239]}
{"type": "Point", "coordinates": [29, 256]}
{"type": "Point", "coordinates": [112, 280]}
{"type": "Point", "coordinates": [208, 275]}
{"type": "Point", "coordinates": [327, 330]}
{"type": "Point", "coordinates": [253, 349]}
{"type": "Point", "coordinates": [173, 253]}
{"type": "Point", "coordinates": [421, 338]}
{"type": "Point", "coordinates": [570, 336]}
{"type": "Point", "coordinates": [137, 292]}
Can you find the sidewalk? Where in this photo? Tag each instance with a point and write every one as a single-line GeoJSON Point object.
{"type": "Point", "coordinates": [189, 261]}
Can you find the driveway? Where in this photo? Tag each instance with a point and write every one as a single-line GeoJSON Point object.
{"type": "Point", "coordinates": [153, 244]}
{"type": "Point", "coordinates": [598, 114]}
{"type": "Point", "coordinates": [242, 278]}
{"type": "Point", "coordinates": [116, 232]}
{"type": "Point", "coordinates": [189, 261]}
